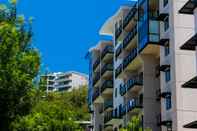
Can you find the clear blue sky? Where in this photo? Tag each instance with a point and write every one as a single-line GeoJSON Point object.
{"type": "Point", "coordinates": [64, 30]}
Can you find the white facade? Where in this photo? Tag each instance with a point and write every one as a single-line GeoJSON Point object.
{"type": "Point", "coordinates": [65, 81]}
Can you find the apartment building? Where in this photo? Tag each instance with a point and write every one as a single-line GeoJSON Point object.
{"type": "Point", "coordinates": [190, 8]}
{"type": "Point", "coordinates": [149, 67]}
{"type": "Point", "coordinates": [65, 81]}
{"type": "Point", "coordinates": [101, 82]}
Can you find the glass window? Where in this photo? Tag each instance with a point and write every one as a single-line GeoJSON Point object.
{"type": "Point", "coordinates": [165, 2]}
{"type": "Point", "coordinates": [116, 92]}
{"type": "Point", "coordinates": [167, 49]}
{"type": "Point", "coordinates": [167, 75]}
{"type": "Point", "coordinates": [168, 103]}
{"type": "Point", "coordinates": [166, 23]}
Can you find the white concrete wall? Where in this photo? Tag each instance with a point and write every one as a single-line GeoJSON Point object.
{"type": "Point", "coordinates": [78, 81]}
{"type": "Point", "coordinates": [183, 66]}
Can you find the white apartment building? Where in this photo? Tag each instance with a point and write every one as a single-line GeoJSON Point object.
{"type": "Point", "coordinates": [65, 81]}
{"type": "Point", "coordinates": [190, 8]}
{"type": "Point", "coordinates": [150, 67]}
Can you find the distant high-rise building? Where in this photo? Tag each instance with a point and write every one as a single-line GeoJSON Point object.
{"type": "Point", "coordinates": [65, 81]}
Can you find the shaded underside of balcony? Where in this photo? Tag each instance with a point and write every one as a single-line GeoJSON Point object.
{"type": "Point", "coordinates": [135, 89]}
{"type": "Point", "coordinates": [108, 127]}
{"type": "Point", "coordinates": [115, 121]}
{"type": "Point", "coordinates": [151, 49]}
{"type": "Point", "coordinates": [189, 7]}
{"type": "Point", "coordinates": [108, 73]}
{"type": "Point", "coordinates": [107, 88]}
{"type": "Point", "coordinates": [191, 83]}
{"type": "Point", "coordinates": [192, 125]}
{"type": "Point", "coordinates": [134, 65]}
{"type": "Point", "coordinates": [107, 57]}
{"type": "Point", "coordinates": [190, 44]}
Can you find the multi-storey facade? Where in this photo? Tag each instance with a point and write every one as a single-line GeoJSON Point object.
{"type": "Point", "coordinates": [149, 67]}
{"type": "Point", "coordinates": [65, 81]}
{"type": "Point", "coordinates": [101, 82]}
{"type": "Point", "coordinates": [190, 8]}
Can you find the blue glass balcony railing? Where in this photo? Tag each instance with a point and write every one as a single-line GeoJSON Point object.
{"type": "Point", "coordinates": [96, 94]}
{"type": "Point", "coordinates": [130, 37]}
{"type": "Point", "coordinates": [105, 68]}
{"type": "Point", "coordinates": [130, 105]}
{"type": "Point", "coordinates": [118, 70]}
{"type": "Point", "coordinates": [130, 58]}
{"type": "Point", "coordinates": [118, 50]}
{"type": "Point", "coordinates": [130, 15]}
{"type": "Point", "coordinates": [96, 78]}
{"type": "Point", "coordinates": [108, 49]}
{"type": "Point", "coordinates": [111, 115]}
{"type": "Point", "coordinates": [106, 84]}
{"type": "Point", "coordinates": [134, 103]}
{"type": "Point", "coordinates": [108, 104]}
{"type": "Point", "coordinates": [96, 63]}
{"type": "Point", "coordinates": [123, 110]}
{"type": "Point", "coordinates": [131, 83]}
{"type": "Point", "coordinates": [118, 31]}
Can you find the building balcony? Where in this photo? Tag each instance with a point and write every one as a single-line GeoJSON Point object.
{"type": "Point", "coordinates": [190, 44]}
{"type": "Point", "coordinates": [108, 105]}
{"type": "Point", "coordinates": [129, 20]}
{"type": "Point", "coordinates": [118, 31]}
{"type": "Point", "coordinates": [107, 54]}
{"type": "Point", "coordinates": [130, 38]}
{"type": "Point", "coordinates": [132, 85]}
{"type": "Point", "coordinates": [96, 78]}
{"type": "Point", "coordinates": [119, 51]}
{"type": "Point", "coordinates": [112, 118]}
{"type": "Point", "coordinates": [97, 96]}
{"type": "Point", "coordinates": [131, 107]}
{"type": "Point", "coordinates": [108, 127]}
{"type": "Point", "coordinates": [191, 83]}
{"type": "Point", "coordinates": [134, 104]}
{"type": "Point", "coordinates": [96, 64]}
{"type": "Point", "coordinates": [107, 71]}
{"type": "Point", "coordinates": [119, 70]}
{"type": "Point", "coordinates": [132, 61]}
{"type": "Point", "coordinates": [189, 7]}
{"type": "Point", "coordinates": [107, 87]}
{"type": "Point", "coordinates": [149, 39]}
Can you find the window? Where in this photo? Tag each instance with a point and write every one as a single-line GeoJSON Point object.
{"type": "Point", "coordinates": [167, 75]}
{"type": "Point", "coordinates": [167, 48]}
{"type": "Point", "coordinates": [116, 92]}
{"type": "Point", "coordinates": [168, 102]}
{"type": "Point", "coordinates": [165, 2]}
{"type": "Point", "coordinates": [166, 23]}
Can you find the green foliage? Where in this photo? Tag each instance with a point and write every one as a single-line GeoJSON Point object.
{"type": "Point", "coordinates": [57, 111]}
{"type": "Point", "coordinates": [135, 125]}
{"type": "Point", "coordinates": [19, 64]}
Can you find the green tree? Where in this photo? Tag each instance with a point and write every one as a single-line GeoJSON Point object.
{"type": "Point", "coordinates": [57, 111]}
{"type": "Point", "coordinates": [19, 64]}
{"type": "Point", "coordinates": [135, 125]}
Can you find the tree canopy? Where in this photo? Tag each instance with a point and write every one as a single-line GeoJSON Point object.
{"type": "Point", "coordinates": [58, 111]}
{"type": "Point", "coordinates": [19, 64]}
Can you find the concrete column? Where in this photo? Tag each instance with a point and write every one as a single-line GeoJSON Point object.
{"type": "Point", "coordinates": [98, 119]}
{"type": "Point", "coordinates": [151, 107]}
